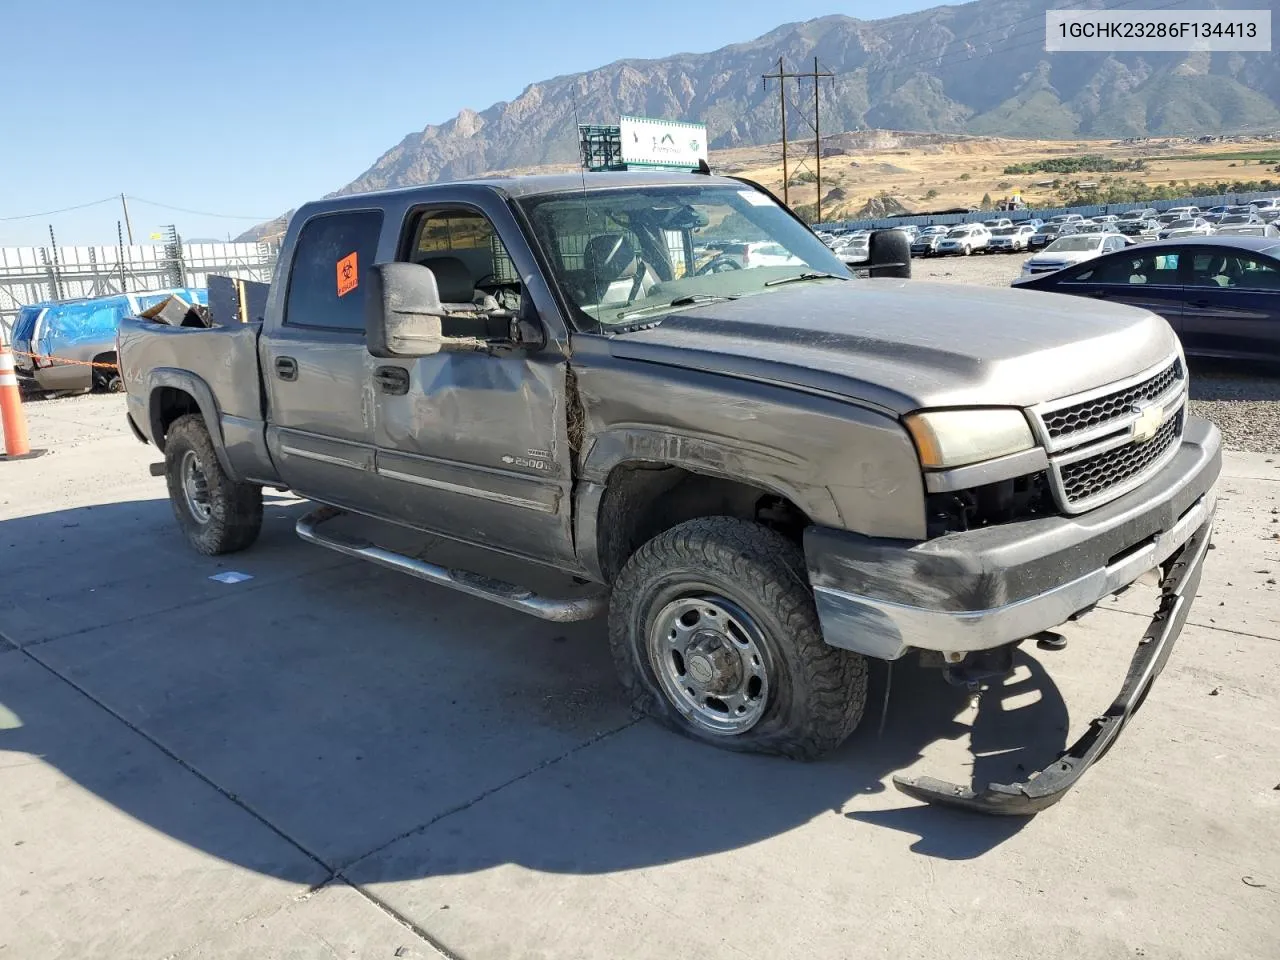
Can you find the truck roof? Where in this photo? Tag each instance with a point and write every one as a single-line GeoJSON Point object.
{"type": "Point", "coordinates": [526, 186]}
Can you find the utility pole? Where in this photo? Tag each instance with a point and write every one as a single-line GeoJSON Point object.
{"type": "Point", "coordinates": [782, 77]}
{"type": "Point", "coordinates": [127, 225]}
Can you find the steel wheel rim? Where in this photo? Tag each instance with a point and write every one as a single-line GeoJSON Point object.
{"type": "Point", "coordinates": [709, 658]}
{"type": "Point", "coordinates": [195, 487]}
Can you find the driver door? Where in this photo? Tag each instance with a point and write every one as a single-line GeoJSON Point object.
{"type": "Point", "coordinates": [473, 444]}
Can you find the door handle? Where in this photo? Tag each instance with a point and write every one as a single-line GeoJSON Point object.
{"type": "Point", "coordinates": [1201, 304]}
{"type": "Point", "coordinates": [1101, 294]}
{"type": "Point", "coordinates": [392, 380]}
{"type": "Point", "coordinates": [286, 368]}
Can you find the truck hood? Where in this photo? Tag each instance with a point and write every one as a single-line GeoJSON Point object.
{"type": "Point", "coordinates": [904, 344]}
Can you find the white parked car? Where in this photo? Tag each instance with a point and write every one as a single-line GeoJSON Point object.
{"type": "Point", "coordinates": [1269, 230]}
{"type": "Point", "coordinates": [759, 253]}
{"type": "Point", "coordinates": [1187, 227]}
{"type": "Point", "coordinates": [1068, 251]}
{"type": "Point", "coordinates": [1242, 218]}
{"type": "Point", "coordinates": [1184, 213]}
{"type": "Point", "coordinates": [855, 249]}
{"type": "Point", "coordinates": [1011, 239]}
{"type": "Point", "coordinates": [964, 239]}
{"type": "Point", "coordinates": [997, 223]}
{"type": "Point", "coordinates": [1267, 208]}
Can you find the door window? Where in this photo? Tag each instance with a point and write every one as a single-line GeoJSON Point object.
{"type": "Point", "coordinates": [469, 259]}
{"type": "Point", "coordinates": [329, 277]}
{"type": "Point", "coordinates": [1211, 268]}
{"type": "Point", "coordinates": [1131, 269]}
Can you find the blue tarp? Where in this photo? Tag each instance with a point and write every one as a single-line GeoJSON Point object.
{"type": "Point", "coordinates": [79, 322]}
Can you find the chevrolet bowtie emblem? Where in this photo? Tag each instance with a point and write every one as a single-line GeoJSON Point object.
{"type": "Point", "coordinates": [1150, 419]}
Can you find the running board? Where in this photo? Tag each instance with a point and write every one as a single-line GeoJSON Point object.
{"type": "Point", "coordinates": [499, 591]}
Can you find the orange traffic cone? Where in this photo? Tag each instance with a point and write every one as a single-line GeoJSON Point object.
{"type": "Point", "coordinates": [13, 420]}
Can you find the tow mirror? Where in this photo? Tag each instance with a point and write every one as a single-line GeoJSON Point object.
{"type": "Point", "coordinates": [403, 311]}
{"type": "Point", "coordinates": [889, 254]}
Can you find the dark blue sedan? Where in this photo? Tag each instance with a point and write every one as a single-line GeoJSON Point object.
{"type": "Point", "coordinates": [1221, 295]}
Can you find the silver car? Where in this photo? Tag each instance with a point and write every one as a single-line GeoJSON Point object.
{"type": "Point", "coordinates": [1011, 239]}
{"type": "Point", "coordinates": [1187, 227]}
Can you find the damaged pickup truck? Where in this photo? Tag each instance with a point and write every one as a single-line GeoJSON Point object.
{"type": "Point", "coordinates": [767, 470]}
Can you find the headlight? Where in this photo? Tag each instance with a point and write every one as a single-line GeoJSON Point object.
{"type": "Point", "coordinates": [953, 438]}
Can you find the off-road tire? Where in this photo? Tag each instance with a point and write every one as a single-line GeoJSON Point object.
{"type": "Point", "coordinates": [817, 693]}
{"type": "Point", "coordinates": [235, 509]}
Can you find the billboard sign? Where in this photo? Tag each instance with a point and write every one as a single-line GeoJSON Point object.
{"type": "Point", "coordinates": [662, 143]}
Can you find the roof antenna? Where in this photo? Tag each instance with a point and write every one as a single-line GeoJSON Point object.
{"type": "Point", "coordinates": [586, 209]}
{"type": "Point", "coordinates": [702, 167]}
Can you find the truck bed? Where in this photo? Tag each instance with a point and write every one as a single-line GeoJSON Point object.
{"type": "Point", "coordinates": [217, 368]}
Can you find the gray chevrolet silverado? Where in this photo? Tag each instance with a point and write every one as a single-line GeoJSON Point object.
{"type": "Point", "coordinates": [666, 387]}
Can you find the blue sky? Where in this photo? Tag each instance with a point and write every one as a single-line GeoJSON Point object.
{"type": "Point", "coordinates": [166, 102]}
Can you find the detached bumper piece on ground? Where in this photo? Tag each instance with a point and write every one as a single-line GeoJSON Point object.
{"type": "Point", "coordinates": [1179, 582]}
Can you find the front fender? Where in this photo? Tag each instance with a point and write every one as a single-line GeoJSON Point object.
{"type": "Point", "coordinates": [198, 390]}
{"type": "Point", "coordinates": [743, 461]}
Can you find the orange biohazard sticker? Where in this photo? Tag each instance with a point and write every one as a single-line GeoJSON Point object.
{"type": "Point", "coordinates": [348, 274]}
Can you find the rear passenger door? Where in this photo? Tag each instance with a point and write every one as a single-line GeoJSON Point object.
{"type": "Point", "coordinates": [316, 370]}
{"type": "Point", "coordinates": [1233, 304]}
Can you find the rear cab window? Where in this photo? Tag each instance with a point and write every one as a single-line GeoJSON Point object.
{"type": "Point", "coordinates": [328, 278]}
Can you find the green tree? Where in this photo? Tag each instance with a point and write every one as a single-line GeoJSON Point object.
{"type": "Point", "coordinates": [931, 194]}
{"type": "Point", "coordinates": [987, 202]}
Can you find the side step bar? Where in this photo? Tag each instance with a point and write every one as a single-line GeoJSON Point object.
{"type": "Point", "coordinates": [499, 591]}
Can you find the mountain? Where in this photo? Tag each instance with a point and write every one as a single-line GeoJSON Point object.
{"type": "Point", "coordinates": [975, 68]}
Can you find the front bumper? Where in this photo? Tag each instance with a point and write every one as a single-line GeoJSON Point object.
{"type": "Point", "coordinates": [999, 585]}
{"type": "Point", "coordinates": [985, 588]}
{"type": "Point", "coordinates": [1179, 581]}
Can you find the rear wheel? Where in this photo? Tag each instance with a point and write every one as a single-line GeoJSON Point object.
{"type": "Point", "coordinates": [217, 514]}
{"type": "Point", "coordinates": [714, 634]}
{"type": "Point", "coordinates": [967, 250]}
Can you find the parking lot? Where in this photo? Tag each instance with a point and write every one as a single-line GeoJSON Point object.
{"type": "Point", "coordinates": [333, 760]}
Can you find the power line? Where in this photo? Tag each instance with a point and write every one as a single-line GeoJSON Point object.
{"type": "Point", "coordinates": [197, 213]}
{"type": "Point", "coordinates": [50, 213]}
{"type": "Point", "coordinates": [782, 77]}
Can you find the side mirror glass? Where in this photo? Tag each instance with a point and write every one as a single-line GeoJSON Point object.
{"type": "Point", "coordinates": [889, 254]}
{"type": "Point", "coordinates": [403, 311]}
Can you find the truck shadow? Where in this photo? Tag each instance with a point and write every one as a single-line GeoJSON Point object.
{"type": "Point", "coordinates": [397, 731]}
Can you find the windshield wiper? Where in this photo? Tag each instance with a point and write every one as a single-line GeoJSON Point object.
{"type": "Point", "coordinates": [685, 301]}
{"type": "Point", "coordinates": [804, 276]}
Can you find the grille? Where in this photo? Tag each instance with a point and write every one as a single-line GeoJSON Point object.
{"type": "Point", "coordinates": [1086, 479]}
{"type": "Point", "coordinates": [1092, 413]}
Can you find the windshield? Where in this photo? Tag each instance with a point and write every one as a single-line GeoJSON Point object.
{"type": "Point", "coordinates": [1004, 232]}
{"type": "Point", "coordinates": [1073, 243]}
{"type": "Point", "coordinates": [632, 254]}
{"type": "Point", "coordinates": [1237, 218]}
{"type": "Point", "coordinates": [958, 232]}
{"type": "Point", "coordinates": [1180, 224]}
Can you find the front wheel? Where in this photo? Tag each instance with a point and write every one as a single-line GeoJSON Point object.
{"type": "Point", "coordinates": [714, 634]}
{"type": "Point", "coordinates": [968, 250]}
{"type": "Point", "coordinates": [217, 514]}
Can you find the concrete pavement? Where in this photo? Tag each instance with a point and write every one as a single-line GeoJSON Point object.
{"type": "Point", "coordinates": [331, 759]}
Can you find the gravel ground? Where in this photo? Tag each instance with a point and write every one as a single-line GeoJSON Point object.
{"type": "Point", "coordinates": [1244, 403]}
